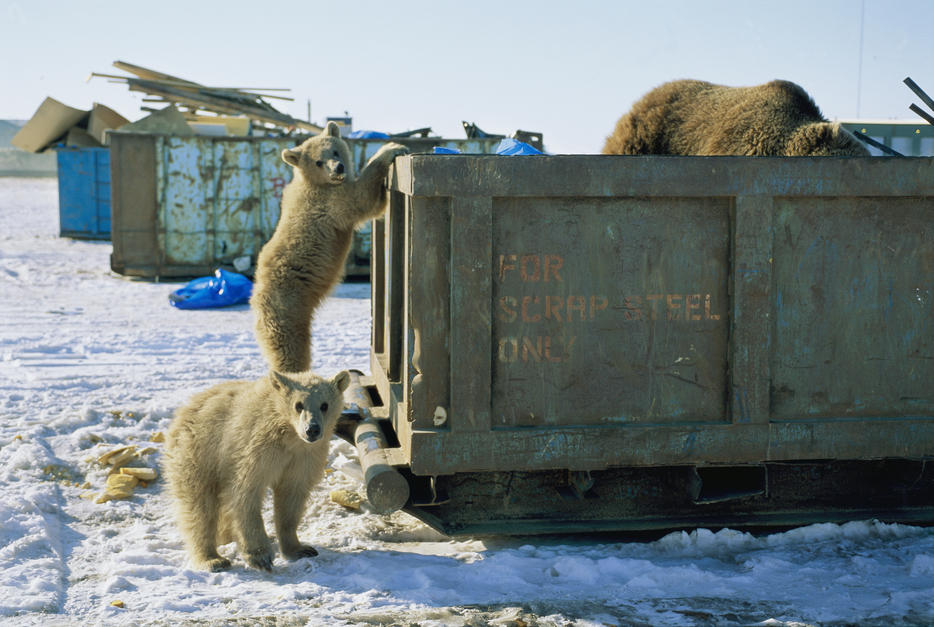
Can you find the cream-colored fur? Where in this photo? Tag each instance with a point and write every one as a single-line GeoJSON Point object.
{"type": "Point", "coordinates": [689, 117]}
{"type": "Point", "coordinates": [232, 442]}
{"type": "Point", "coordinates": [304, 259]}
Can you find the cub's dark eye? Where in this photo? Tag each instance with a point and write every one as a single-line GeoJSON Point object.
{"type": "Point", "coordinates": [319, 163]}
{"type": "Point", "coordinates": [324, 407]}
{"type": "Point", "coordinates": [336, 154]}
{"type": "Point", "coordinates": [299, 407]}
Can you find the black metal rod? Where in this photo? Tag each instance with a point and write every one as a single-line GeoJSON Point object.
{"type": "Point", "coordinates": [913, 86]}
{"type": "Point", "coordinates": [924, 114]}
{"type": "Point", "coordinates": [876, 144]}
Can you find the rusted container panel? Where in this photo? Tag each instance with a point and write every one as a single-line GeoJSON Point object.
{"type": "Point", "coordinates": [183, 206]}
{"type": "Point", "coordinates": [542, 317]}
{"type": "Point", "coordinates": [220, 199]}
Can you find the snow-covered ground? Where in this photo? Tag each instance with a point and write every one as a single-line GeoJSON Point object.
{"type": "Point", "coordinates": [90, 360]}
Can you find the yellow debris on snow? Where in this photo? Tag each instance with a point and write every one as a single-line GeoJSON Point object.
{"type": "Point", "coordinates": [346, 498]}
{"type": "Point", "coordinates": [141, 473]}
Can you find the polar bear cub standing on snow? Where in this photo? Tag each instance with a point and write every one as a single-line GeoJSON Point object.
{"type": "Point", "coordinates": [232, 442]}
{"type": "Point", "coordinates": [304, 259]}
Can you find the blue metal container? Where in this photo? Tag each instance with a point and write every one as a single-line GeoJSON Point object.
{"type": "Point", "coordinates": [84, 192]}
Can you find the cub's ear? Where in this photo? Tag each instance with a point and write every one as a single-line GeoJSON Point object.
{"type": "Point", "coordinates": [333, 129]}
{"type": "Point", "coordinates": [291, 156]}
{"type": "Point", "coordinates": [279, 381]}
{"type": "Point", "coordinates": [341, 380]}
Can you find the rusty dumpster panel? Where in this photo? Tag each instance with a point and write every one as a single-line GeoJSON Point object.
{"type": "Point", "coordinates": [220, 199]}
{"type": "Point", "coordinates": [183, 206]}
{"type": "Point", "coordinates": [584, 313]}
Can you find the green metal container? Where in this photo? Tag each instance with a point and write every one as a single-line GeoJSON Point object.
{"type": "Point", "coordinates": [595, 342]}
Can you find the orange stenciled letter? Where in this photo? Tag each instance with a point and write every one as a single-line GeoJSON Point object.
{"type": "Point", "coordinates": [507, 305]}
{"type": "Point", "coordinates": [692, 304]}
{"type": "Point", "coordinates": [707, 314]}
{"type": "Point", "coordinates": [673, 306]}
{"type": "Point", "coordinates": [553, 263]}
{"type": "Point", "coordinates": [553, 305]}
{"type": "Point", "coordinates": [526, 317]}
{"type": "Point", "coordinates": [506, 262]}
{"type": "Point", "coordinates": [576, 303]}
{"type": "Point", "coordinates": [536, 268]}
{"type": "Point", "coordinates": [597, 303]}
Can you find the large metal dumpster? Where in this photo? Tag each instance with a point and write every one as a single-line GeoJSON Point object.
{"type": "Point", "coordinates": [185, 205]}
{"type": "Point", "coordinates": [84, 192]}
{"type": "Point", "coordinates": [593, 342]}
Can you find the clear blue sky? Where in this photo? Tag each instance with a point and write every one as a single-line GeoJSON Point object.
{"type": "Point", "coordinates": [568, 69]}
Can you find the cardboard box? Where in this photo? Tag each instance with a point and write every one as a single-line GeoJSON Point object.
{"type": "Point", "coordinates": [103, 119]}
{"type": "Point", "coordinates": [51, 120]}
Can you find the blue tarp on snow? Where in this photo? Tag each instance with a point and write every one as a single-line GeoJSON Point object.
{"type": "Point", "coordinates": [221, 290]}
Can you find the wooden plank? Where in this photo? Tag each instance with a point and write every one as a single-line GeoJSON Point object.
{"type": "Point", "coordinates": [571, 176]}
{"type": "Point", "coordinates": [395, 290]}
{"type": "Point", "coordinates": [435, 453]}
{"type": "Point", "coordinates": [471, 298]}
{"type": "Point", "coordinates": [147, 73]}
{"type": "Point", "coordinates": [378, 281]}
{"type": "Point", "coordinates": [221, 105]}
{"type": "Point", "coordinates": [133, 204]}
{"type": "Point", "coordinates": [428, 306]}
{"type": "Point", "coordinates": [752, 305]}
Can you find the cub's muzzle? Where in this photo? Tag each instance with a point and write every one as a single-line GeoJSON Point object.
{"type": "Point", "coordinates": [336, 171]}
{"type": "Point", "coordinates": [313, 428]}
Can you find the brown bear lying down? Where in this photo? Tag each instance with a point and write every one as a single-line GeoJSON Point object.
{"type": "Point", "coordinates": [690, 117]}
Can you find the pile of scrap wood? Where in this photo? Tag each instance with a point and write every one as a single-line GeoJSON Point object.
{"type": "Point", "coordinates": [194, 100]}
{"type": "Point", "coordinates": [188, 106]}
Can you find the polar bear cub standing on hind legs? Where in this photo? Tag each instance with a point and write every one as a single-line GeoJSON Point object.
{"type": "Point", "coordinates": [232, 442]}
{"type": "Point", "coordinates": [304, 259]}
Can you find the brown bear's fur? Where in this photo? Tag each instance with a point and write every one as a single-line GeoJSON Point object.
{"type": "Point", "coordinates": [232, 442]}
{"type": "Point", "coordinates": [690, 117]}
{"type": "Point", "coordinates": [304, 259]}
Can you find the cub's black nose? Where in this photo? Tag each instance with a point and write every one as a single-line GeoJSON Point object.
{"type": "Point", "coordinates": [313, 432]}
{"type": "Point", "coordinates": [340, 168]}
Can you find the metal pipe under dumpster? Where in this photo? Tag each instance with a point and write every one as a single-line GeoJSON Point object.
{"type": "Point", "coordinates": [386, 489]}
{"type": "Point", "coordinates": [595, 342]}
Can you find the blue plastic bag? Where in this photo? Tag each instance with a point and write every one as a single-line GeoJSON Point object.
{"type": "Point", "coordinates": [221, 290]}
{"type": "Point", "coordinates": [368, 135]}
{"type": "Point", "coordinates": [510, 146]}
